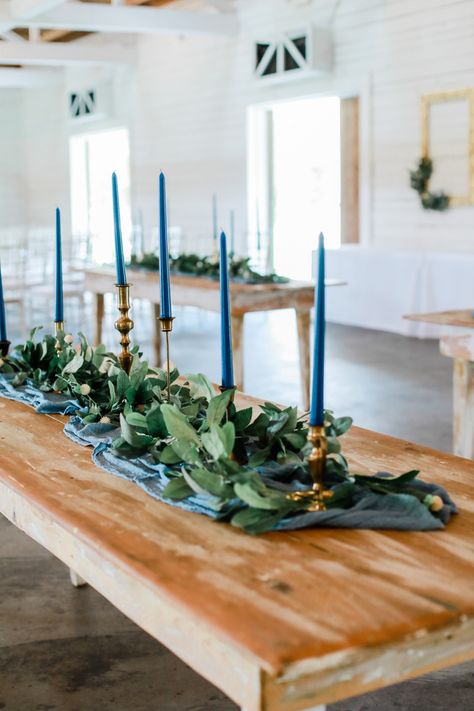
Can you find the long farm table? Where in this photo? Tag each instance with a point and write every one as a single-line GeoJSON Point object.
{"type": "Point", "coordinates": [204, 294]}
{"type": "Point", "coordinates": [285, 621]}
{"type": "Point", "coordinates": [458, 343]}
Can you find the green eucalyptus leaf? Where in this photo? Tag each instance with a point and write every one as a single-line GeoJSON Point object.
{"type": "Point", "coordinates": [177, 424]}
{"type": "Point", "coordinates": [217, 407]}
{"type": "Point", "coordinates": [342, 425]}
{"type": "Point", "coordinates": [214, 443]}
{"type": "Point", "coordinates": [156, 423]}
{"type": "Point", "coordinates": [259, 499]}
{"type": "Point", "coordinates": [213, 483]}
{"type": "Point", "coordinates": [242, 419]}
{"type": "Point", "coordinates": [259, 457]}
{"type": "Point", "coordinates": [169, 456]}
{"type": "Point", "coordinates": [201, 386]}
{"type": "Point", "coordinates": [187, 451]}
{"type": "Point", "coordinates": [74, 365]}
{"type": "Point", "coordinates": [132, 437]}
{"type": "Point", "coordinates": [177, 489]}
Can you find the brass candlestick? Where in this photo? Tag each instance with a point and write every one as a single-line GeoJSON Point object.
{"type": "Point", "coordinates": [166, 328]}
{"type": "Point", "coordinates": [124, 325]}
{"type": "Point", "coordinates": [58, 328]}
{"type": "Point", "coordinates": [317, 464]}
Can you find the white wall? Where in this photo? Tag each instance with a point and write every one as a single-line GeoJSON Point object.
{"type": "Point", "coordinates": [12, 159]}
{"type": "Point", "coordinates": [193, 95]}
{"type": "Point", "coordinates": [186, 107]}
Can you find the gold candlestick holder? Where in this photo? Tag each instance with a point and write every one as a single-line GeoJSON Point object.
{"type": "Point", "coordinates": [315, 497]}
{"type": "Point", "coordinates": [58, 328]}
{"type": "Point", "coordinates": [124, 325]}
{"type": "Point", "coordinates": [166, 328]}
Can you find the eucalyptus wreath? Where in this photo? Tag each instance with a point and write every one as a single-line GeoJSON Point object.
{"type": "Point", "coordinates": [208, 266]}
{"type": "Point", "coordinates": [419, 181]}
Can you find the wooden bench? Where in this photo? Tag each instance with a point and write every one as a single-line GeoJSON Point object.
{"type": "Point", "coordinates": [458, 345]}
{"type": "Point", "coordinates": [204, 294]}
{"type": "Point", "coordinates": [280, 622]}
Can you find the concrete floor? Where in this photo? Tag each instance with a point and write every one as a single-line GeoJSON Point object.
{"type": "Point", "coordinates": [67, 649]}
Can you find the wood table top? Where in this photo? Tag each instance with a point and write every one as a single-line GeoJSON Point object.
{"type": "Point", "coordinates": [461, 317]}
{"type": "Point", "coordinates": [188, 280]}
{"type": "Point", "coordinates": [289, 603]}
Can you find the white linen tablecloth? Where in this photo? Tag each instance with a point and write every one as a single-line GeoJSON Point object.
{"type": "Point", "coordinates": [385, 284]}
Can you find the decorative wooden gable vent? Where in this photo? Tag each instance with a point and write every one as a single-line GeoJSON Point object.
{"type": "Point", "coordinates": [82, 104]}
{"type": "Point", "coordinates": [294, 54]}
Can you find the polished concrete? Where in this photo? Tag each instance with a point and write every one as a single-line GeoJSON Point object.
{"type": "Point", "coordinates": [67, 649]}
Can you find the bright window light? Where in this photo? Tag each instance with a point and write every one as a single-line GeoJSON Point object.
{"type": "Point", "coordinates": [93, 158]}
{"type": "Point", "coordinates": [307, 181]}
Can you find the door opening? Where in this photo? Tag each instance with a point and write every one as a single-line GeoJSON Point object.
{"type": "Point", "coordinates": [93, 158]}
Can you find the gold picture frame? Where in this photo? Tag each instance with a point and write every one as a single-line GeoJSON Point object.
{"type": "Point", "coordinates": [427, 102]}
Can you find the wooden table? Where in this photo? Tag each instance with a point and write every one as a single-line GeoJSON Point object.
{"type": "Point", "coordinates": [281, 622]}
{"type": "Point", "coordinates": [458, 345]}
{"type": "Point", "coordinates": [204, 293]}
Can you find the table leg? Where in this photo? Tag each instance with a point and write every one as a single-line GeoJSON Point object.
{"type": "Point", "coordinates": [237, 323]}
{"type": "Point", "coordinates": [99, 317]}
{"type": "Point", "coordinates": [156, 330]}
{"type": "Point", "coordinates": [303, 322]}
{"type": "Point", "coordinates": [76, 579]}
{"type": "Point", "coordinates": [463, 406]}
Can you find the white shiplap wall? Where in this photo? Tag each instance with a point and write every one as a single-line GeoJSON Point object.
{"type": "Point", "coordinates": [12, 159]}
{"type": "Point", "coordinates": [187, 100]}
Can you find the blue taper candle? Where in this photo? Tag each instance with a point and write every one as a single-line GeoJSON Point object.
{"type": "Point", "coordinates": [59, 313]}
{"type": "Point", "coordinates": [165, 291]}
{"type": "Point", "coordinates": [3, 321]}
{"type": "Point", "coordinates": [214, 217]}
{"type": "Point", "coordinates": [119, 260]}
{"type": "Point", "coordinates": [316, 415]}
{"type": "Point", "coordinates": [232, 231]}
{"type": "Point", "coordinates": [226, 334]}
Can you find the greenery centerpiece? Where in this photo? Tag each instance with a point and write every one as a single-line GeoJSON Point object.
{"type": "Point", "coordinates": [208, 266]}
{"type": "Point", "coordinates": [244, 462]}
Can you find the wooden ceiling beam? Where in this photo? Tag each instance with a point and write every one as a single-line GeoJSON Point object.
{"type": "Point", "coordinates": [94, 17]}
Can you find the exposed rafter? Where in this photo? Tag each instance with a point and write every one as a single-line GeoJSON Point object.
{"type": "Point", "coordinates": [89, 17]}
{"type": "Point", "coordinates": [63, 54]}
{"type": "Point", "coordinates": [15, 13]}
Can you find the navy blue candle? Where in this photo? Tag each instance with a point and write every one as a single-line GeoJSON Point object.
{"type": "Point", "coordinates": [3, 321]}
{"type": "Point", "coordinates": [165, 290]}
{"type": "Point", "coordinates": [119, 260]}
{"type": "Point", "coordinates": [226, 335]}
{"type": "Point", "coordinates": [316, 415]}
{"type": "Point", "coordinates": [59, 313]}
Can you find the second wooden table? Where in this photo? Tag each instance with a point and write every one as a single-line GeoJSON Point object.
{"type": "Point", "coordinates": [204, 294]}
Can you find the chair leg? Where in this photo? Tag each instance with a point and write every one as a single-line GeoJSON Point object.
{"type": "Point", "coordinates": [76, 579]}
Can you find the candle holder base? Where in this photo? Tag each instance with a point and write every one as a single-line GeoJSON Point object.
{"type": "Point", "coordinates": [58, 328]}
{"type": "Point", "coordinates": [124, 325]}
{"type": "Point", "coordinates": [4, 348]}
{"type": "Point", "coordinates": [166, 323]}
{"type": "Point", "coordinates": [314, 498]}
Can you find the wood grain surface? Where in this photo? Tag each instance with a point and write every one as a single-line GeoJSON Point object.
{"type": "Point", "coordinates": [462, 318]}
{"type": "Point", "coordinates": [282, 621]}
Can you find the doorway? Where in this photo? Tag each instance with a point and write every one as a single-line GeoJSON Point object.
{"type": "Point", "coordinates": [303, 179]}
{"type": "Point", "coordinates": [93, 158]}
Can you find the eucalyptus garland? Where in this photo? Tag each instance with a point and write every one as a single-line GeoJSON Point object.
{"type": "Point", "coordinates": [208, 446]}
{"type": "Point", "coordinates": [195, 265]}
{"type": "Point", "coordinates": [419, 181]}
